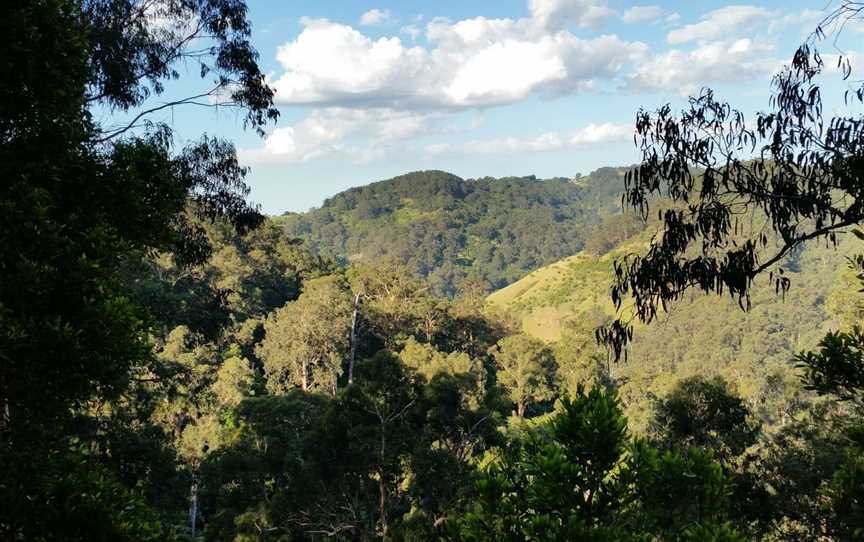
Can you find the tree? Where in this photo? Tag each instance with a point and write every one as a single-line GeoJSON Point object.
{"type": "Point", "coordinates": [80, 198]}
{"type": "Point", "coordinates": [428, 361]}
{"type": "Point", "coordinates": [137, 47]}
{"type": "Point", "coordinates": [614, 230]}
{"type": "Point", "coordinates": [306, 342]}
{"type": "Point", "coordinates": [705, 413]}
{"type": "Point", "coordinates": [837, 369]}
{"type": "Point", "coordinates": [578, 477]}
{"type": "Point", "coordinates": [526, 369]}
{"type": "Point", "coordinates": [377, 420]}
{"type": "Point", "coordinates": [790, 170]}
{"type": "Point", "coordinates": [580, 361]}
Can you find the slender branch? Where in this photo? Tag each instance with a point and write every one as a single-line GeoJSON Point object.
{"type": "Point", "coordinates": [812, 235]}
{"type": "Point", "coordinates": [185, 101]}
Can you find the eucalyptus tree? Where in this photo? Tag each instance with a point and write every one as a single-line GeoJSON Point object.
{"type": "Point", "coordinates": [307, 342]}
{"type": "Point", "coordinates": [79, 197]}
{"type": "Point", "coordinates": [742, 193]}
{"type": "Point", "coordinates": [526, 369]}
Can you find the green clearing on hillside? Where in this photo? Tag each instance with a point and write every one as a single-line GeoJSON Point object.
{"type": "Point", "coordinates": [702, 334]}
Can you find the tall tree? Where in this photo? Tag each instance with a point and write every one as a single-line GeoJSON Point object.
{"type": "Point", "coordinates": [707, 414]}
{"type": "Point", "coordinates": [78, 198]}
{"type": "Point", "coordinates": [307, 341]}
{"type": "Point", "coordinates": [526, 369]}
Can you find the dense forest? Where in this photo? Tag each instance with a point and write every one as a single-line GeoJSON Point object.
{"type": "Point", "coordinates": [447, 230]}
{"type": "Point", "coordinates": [175, 366]}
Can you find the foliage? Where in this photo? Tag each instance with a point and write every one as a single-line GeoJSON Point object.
{"type": "Point", "coordinates": [78, 499]}
{"type": "Point", "coordinates": [526, 369]}
{"type": "Point", "coordinates": [306, 342]}
{"type": "Point", "coordinates": [612, 231]}
{"type": "Point", "coordinates": [578, 478]}
{"type": "Point", "coordinates": [78, 199]}
{"type": "Point", "coordinates": [172, 361]}
{"type": "Point", "coordinates": [700, 336]}
{"type": "Point", "coordinates": [444, 229]}
{"type": "Point", "coordinates": [706, 414]}
{"type": "Point", "coordinates": [791, 168]}
{"type": "Point", "coordinates": [838, 365]}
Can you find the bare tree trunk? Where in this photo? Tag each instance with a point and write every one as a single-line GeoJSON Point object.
{"type": "Point", "coordinates": [353, 339]}
{"type": "Point", "coordinates": [382, 503]}
{"type": "Point", "coordinates": [5, 418]}
{"type": "Point", "coordinates": [193, 504]}
{"type": "Point", "coordinates": [304, 382]}
{"type": "Point", "coordinates": [382, 485]}
{"type": "Point", "coordinates": [520, 408]}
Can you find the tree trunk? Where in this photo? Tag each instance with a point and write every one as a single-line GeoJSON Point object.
{"type": "Point", "coordinates": [5, 417]}
{"type": "Point", "coordinates": [193, 505]}
{"type": "Point", "coordinates": [382, 485]}
{"type": "Point", "coordinates": [353, 339]}
{"type": "Point", "coordinates": [382, 503]}
{"type": "Point", "coordinates": [521, 405]}
{"type": "Point", "coordinates": [304, 382]}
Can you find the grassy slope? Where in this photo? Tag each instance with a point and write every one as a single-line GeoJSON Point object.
{"type": "Point", "coordinates": [549, 296]}
{"type": "Point", "coordinates": [701, 334]}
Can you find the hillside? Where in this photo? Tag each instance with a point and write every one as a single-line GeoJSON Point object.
{"type": "Point", "coordinates": [445, 229]}
{"type": "Point", "coordinates": [701, 334]}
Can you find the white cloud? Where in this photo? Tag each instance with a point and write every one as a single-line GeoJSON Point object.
{"type": "Point", "coordinates": [591, 135]}
{"type": "Point", "coordinates": [375, 16]}
{"type": "Point", "coordinates": [336, 130]}
{"type": "Point", "coordinates": [558, 14]}
{"type": "Point", "coordinates": [333, 63]}
{"type": "Point", "coordinates": [371, 95]}
{"type": "Point", "coordinates": [720, 23]}
{"type": "Point", "coordinates": [638, 14]}
{"type": "Point", "coordinates": [411, 30]}
{"type": "Point", "coordinates": [471, 63]}
{"type": "Point", "coordinates": [710, 63]}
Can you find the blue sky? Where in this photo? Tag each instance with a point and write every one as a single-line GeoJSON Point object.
{"type": "Point", "coordinates": [370, 90]}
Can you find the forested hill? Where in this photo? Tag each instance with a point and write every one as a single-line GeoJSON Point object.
{"type": "Point", "coordinates": [446, 229]}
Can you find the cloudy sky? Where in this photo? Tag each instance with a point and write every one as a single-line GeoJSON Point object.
{"type": "Point", "coordinates": [369, 90]}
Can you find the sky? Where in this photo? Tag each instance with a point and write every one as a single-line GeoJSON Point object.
{"type": "Point", "coordinates": [370, 90]}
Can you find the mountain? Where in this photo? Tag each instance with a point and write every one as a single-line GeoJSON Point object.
{"type": "Point", "coordinates": [445, 229]}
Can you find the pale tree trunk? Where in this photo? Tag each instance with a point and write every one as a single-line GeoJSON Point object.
{"type": "Point", "coordinates": [382, 485]}
{"type": "Point", "coordinates": [382, 504]}
{"type": "Point", "coordinates": [193, 504]}
{"type": "Point", "coordinates": [304, 378]}
{"type": "Point", "coordinates": [5, 418]}
{"type": "Point", "coordinates": [353, 339]}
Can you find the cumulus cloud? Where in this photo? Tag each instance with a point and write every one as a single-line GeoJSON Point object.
{"type": "Point", "coordinates": [720, 23]}
{"type": "Point", "coordinates": [375, 16]}
{"type": "Point", "coordinates": [411, 30]}
{"type": "Point", "coordinates": [331, 63]}
{"type": "Point", "coordinates": [558, 14]}
{"type": "Point", "coordinates": [590, 135]}
{"type": "Point", "coordinates": [336, 130]}
{"type": "Point", "coordinates": [475, 62]}
{"type": "Point", "coordinates": [638, 14]}
{"type": "Point", "coordinates": [370, 94]}
{"type": "Point", "coordinates": [710, 63]}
